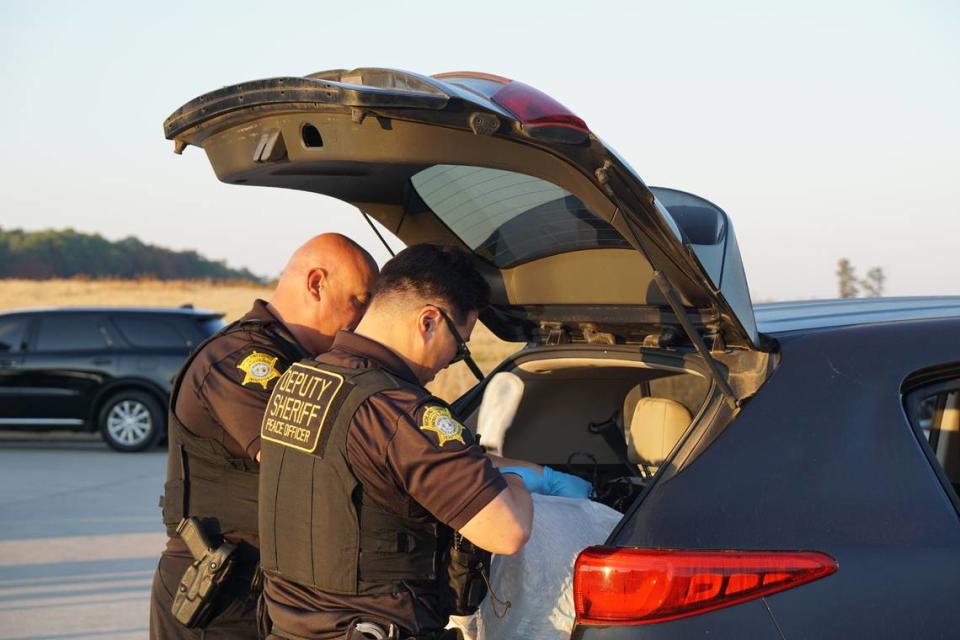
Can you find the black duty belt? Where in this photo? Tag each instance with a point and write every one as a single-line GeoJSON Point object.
{"type": "Point", "coordinates": [376, 631]}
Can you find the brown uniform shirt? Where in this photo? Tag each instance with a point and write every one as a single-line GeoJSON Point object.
{"type": "Point", "coordinates": [225, 390]}
{"type": "Point", "coordinates": [408, 468]}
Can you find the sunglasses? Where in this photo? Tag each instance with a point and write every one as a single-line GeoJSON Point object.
{"type": "Point", "coordinates": [463, 352]}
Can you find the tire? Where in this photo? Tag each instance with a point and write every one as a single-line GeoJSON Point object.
{"type": "Point", "coordinates": [131, 421]}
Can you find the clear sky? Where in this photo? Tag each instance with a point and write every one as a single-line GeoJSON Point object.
{"type": "Point", "coordinates": [825, 129]}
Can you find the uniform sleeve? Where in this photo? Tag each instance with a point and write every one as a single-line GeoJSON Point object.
{"type": "Point", "coordinates": [236, 389]}
{"type": "Point", "coordinates": [436, 461]}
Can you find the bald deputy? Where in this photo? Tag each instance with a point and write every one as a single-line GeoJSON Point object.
{"type": "Point", "coordinates": [217, 404]}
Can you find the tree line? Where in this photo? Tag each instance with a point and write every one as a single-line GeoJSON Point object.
{"type": "Point", "coordinates": [850, 286]}
{"type": "Point", "coordinates": [68, 253]}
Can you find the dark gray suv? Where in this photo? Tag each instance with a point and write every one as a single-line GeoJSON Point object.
{"type": "Point", "coordinates": [87, 369]}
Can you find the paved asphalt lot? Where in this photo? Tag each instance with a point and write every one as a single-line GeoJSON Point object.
{"type": "Point", "coordinates": [80, 535]}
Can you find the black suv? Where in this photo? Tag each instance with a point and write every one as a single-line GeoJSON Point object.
{"type": "Point", "coordinates": [98, 368]}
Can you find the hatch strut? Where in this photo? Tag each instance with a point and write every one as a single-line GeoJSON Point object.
{"type": "Point", "coordinates": [377, 231]}
{"type": "Point", "coordinates": [672, 299]}
{"type": "Point", "coordinates": [667, 289]}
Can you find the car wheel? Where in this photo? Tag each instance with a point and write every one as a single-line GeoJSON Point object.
{"type": "Point", "coordinates": [131, 421]}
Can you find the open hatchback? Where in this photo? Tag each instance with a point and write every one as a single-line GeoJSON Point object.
{"type": "Point", "coordinates": [583, 258]}
{"type": "Point", "coordinates": [568, 235]}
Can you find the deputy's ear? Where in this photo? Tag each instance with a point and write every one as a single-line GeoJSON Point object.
{"type": "Point", "coordinates": [316, 282]}
{"type": "Point", "coordinates": [428, 320]}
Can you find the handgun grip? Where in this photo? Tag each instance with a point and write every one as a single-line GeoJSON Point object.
{"type": "Point", "coordinates": [192, 534]}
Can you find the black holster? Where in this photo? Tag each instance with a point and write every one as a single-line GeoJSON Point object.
{"type": "Point", "coordinates": [212, 565]}
{"type": "Point", "coordinates": [468, 573]}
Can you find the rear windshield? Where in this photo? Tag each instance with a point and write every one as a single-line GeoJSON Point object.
{"type": "Point", "coordinates": [508, 218]}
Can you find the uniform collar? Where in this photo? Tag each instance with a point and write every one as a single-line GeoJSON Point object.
{"type": "Point", "coordinates": [260, 311]}
{"type": "Point", "coordinates": [365, 347]}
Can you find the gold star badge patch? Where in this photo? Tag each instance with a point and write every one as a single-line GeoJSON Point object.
{"type": "Point", "coordinates": [258, 368]}
{"type": "Point", "coordinates": [439, 420]}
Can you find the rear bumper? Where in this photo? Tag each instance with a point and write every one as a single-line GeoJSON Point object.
{"type": "Point", "coordinates": [748, 620]}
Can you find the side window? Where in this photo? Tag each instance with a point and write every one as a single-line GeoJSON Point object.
{"type": "Point", "coordinates": [934, 412]}
{"type": "Point", "coordinates": [209, 326]}
{"type": "Point", "coordinates": [942, 431]}
{"type": "Point", "coordinates": [689, 390]}
{"type": "Point", "coordinates": [144, 331]}
{"type": "Point", "coordinates": [71, 332]}
{"type": "Point", "coordinates": [13, 331]}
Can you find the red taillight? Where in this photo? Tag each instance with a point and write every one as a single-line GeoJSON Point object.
{"type": "Point", "coordinates": [540, 115]}
{"type": "Point", "coordinates": [619, 585]}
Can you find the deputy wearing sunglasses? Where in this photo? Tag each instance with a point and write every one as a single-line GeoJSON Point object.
{"type": "Point", "coordinates": [377, 508]}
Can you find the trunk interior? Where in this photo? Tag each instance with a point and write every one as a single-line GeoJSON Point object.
{"type": "Point", "coordinates": [609, 416]}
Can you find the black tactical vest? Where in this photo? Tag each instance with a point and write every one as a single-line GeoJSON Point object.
{"type": "Point", "coordinates": [316, 529]}
{"type": "Point", "coordinates": [204, 479]}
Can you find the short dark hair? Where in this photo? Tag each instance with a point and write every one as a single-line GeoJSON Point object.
{"type": "Point", "coordinates": [435, 273]}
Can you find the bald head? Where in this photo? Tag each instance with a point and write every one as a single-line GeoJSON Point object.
{"type": "Point", "coordinates": [324, 288]}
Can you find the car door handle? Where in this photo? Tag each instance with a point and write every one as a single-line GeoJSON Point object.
{"type": "Point", "coordinates": [9, 363]}
{"type": "Point", "coordinates": [102, 360]}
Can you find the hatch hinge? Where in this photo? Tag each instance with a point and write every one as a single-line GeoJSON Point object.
{"type": "Point", "coordinates": [555, 333]}
{"type": "Point", "coordinates": [358, 115]}
{"type": "Point", "coordinates": [484, 124]}
{"type": "Point", "coordinates": [594, 336]}
{"type": "Point", "coordinates": [662, 337]}
{"type": "Point", "coordinates": [603, 177]}
{"type": "Point", "coordinates": [718, 344]}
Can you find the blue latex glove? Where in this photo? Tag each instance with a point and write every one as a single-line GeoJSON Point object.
{"type": "Point", "coordinates": [556, 483]}
{"type": "Point", "coordinates": [532, 479]}
{"type": "Point", "coordinates": [551, 483]}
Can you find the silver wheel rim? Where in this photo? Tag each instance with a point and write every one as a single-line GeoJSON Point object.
{"type": "Point", "coordinates": [129, 422]}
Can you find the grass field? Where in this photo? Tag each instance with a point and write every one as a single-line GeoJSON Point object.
{"type": "Point", "coordinates": [231, 299]}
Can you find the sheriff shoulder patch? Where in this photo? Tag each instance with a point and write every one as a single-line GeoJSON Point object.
{"type": "Point", "coordinates": [439, 420]}
{"type": "Point", "coordinates": [258, 368]}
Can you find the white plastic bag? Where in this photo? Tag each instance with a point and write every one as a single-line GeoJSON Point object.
{"type": "Point", "coordinates": [538, 581]}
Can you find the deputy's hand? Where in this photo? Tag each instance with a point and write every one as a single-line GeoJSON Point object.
{"type": "Point", "coordinates": [557, 483]}
{"type": "Point", "coordinates": [551, 483]}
